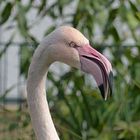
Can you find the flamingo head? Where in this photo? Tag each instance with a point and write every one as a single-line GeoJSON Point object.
{"type": "Point", "coordinates": [71, 47]}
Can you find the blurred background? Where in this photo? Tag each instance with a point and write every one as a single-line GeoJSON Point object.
{"type": "Point", "coordinates": [78, 111]}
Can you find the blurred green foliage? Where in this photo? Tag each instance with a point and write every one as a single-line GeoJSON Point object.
{"type": "Point", "coordinates": [112, 26]}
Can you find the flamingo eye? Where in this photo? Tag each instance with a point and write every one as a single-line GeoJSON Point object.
{"type": "Point", "coordinates": [73, 44]}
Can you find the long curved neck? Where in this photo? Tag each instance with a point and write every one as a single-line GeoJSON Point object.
{"type": "Point", "coordinates": [36, 97]}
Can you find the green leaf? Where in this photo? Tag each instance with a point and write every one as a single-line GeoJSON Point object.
{"type": "Point", "coordinates": [6, 13]}
{"type": "Point", "coordinates": [21, 19]}
{"type": "Point", "coordinates": [6, 92]}
{"type": "Point", "coordinates": [49, 30]}
{"type": "Point", "coordinates": [133, 6]}
{"type": "Point", "coordinates": [61, 5]}
{"type": "Point", "coordinates": [25, 57]}
{"type": "Point", "coordinates": [13, 126]}
{"type": "Point", "coordinates": [138, 15]}
{"type": "Point", "coordinates": [115, 33]}
{"type": "Point", "coordinates": [109, 23]}
{"type": "Point", "coordinates": [42, 6]}
{"type": "Point", "coordinates": [7, 45]}
{"type": "Point", "coordinates": [135, 10]}
{"type": "Point", "coordinates": [112, 15]}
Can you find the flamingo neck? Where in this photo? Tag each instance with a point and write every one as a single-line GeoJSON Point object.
{"type": "Point", "coordinates": [37, 102]}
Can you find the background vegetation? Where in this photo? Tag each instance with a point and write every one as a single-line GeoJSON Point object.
{"type": "Point", "coordinates": [113, 27]}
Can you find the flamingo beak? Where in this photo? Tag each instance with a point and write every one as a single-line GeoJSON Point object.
{"type": "Point", "coordinates": [99, 67]}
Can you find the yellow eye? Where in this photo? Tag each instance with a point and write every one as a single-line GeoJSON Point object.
{"type": "Point", "coordinates": [73, 44]}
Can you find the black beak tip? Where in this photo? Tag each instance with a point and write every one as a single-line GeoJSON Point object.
{"type": "Point", "coordinates": [111, 82]}
{"type": "Point", "coordinates": [101, 88]}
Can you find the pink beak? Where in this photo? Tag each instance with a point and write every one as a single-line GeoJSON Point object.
{"type": "Point", "coordinates": [98, 65]}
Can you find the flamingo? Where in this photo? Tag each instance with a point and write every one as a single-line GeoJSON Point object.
{"type": "Point", "coordinates": [68, 45]}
